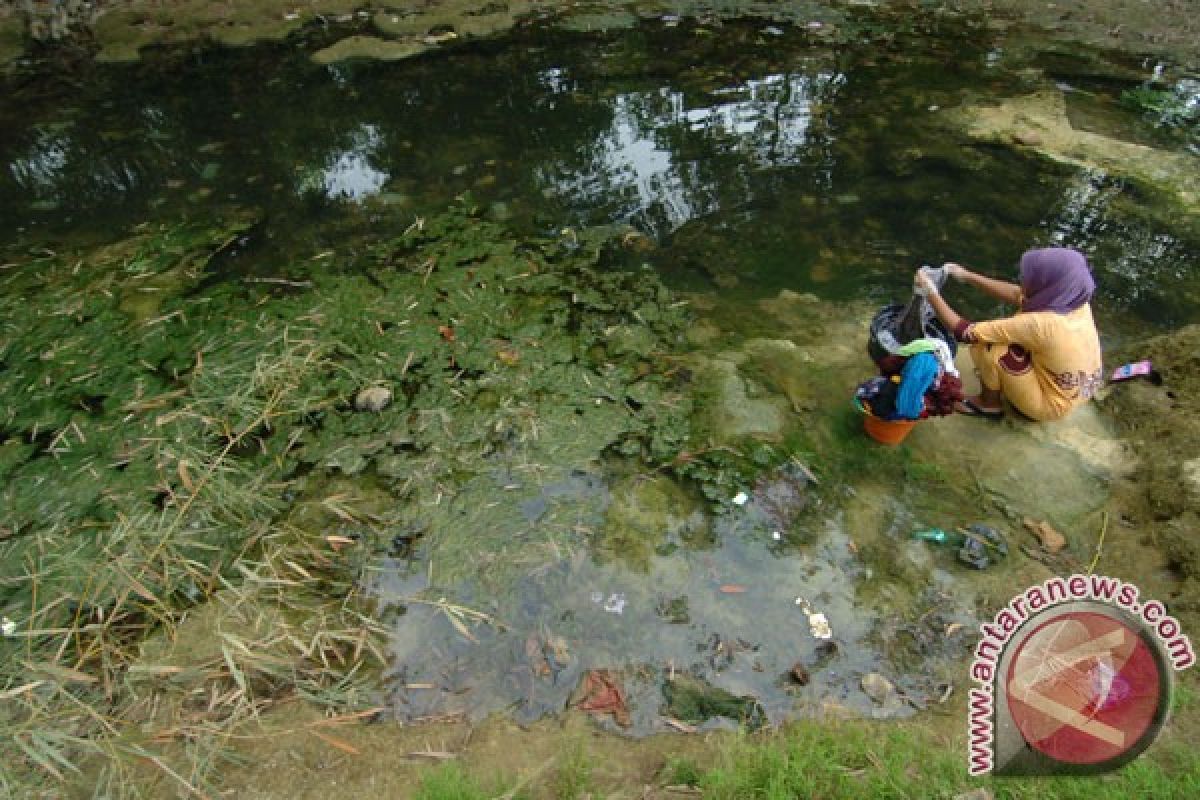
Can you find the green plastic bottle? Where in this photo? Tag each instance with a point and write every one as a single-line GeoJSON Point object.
{"type": "Point", "coordinates": [939, 536]}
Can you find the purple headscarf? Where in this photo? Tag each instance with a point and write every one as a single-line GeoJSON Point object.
{"type": "Point", "coordinates": [1055, 279]}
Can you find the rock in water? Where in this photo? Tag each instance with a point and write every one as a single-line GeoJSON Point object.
{"type": "Point", "coordinates": [878, 688]}
{"type": "Point", "coordinates": [1052, 541]}
{"type": "Point", "coordinates": [799, 674]}
{"type": "Point", "coordinates": [374, 398]}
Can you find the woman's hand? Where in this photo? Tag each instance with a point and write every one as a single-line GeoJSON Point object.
{"type": "Point", "coordinates": [956, 271]}
{"type": "Point", "coordinates": [923, 284]}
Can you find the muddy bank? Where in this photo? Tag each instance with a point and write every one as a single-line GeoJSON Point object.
{"type": "Point", "coordinates": [1160, 417]}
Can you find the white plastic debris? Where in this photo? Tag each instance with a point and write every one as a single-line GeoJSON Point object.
{"type": "Point", "coordinates": [818, 624]}
{"type": "Point", "coordinates": [8, 627]}
{"type": "Point", "coordinates": [615, 603]}
{"type": "Point", "coordinates": [776, 535]}
{"type": "Point", "coordinates": [740, 499]}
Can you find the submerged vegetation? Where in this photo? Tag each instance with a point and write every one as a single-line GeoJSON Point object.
{"type": "Point", "coordinates": [177, 556]}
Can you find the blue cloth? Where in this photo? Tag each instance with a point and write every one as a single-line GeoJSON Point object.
{"type": "Point", "coordinates": [916, 377]}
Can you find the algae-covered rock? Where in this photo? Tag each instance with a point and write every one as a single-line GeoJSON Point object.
{"type": "Point", "coordinates": [461, 17]}
{"type": "Point", "coordinates": [369, 47]}
{"type": "Point", "coordinates": [12, 38]}
{"type": "Point", "coordinates": [1040, 120]}
{"type": "Point", "coordinates": [643, 514]}
{"type": "Point", "coordinates": [123, 30]}
{"type": "Point", "coordinates": [617, 19]}
{"type": "Point", "coordinates": [696, 701]}
{"type": "Point", "coordinates": [730, 408]}
{"type": "Point", "coordinates": [373, 398]}
{"type": "Point", "coordinates": [784, 368]}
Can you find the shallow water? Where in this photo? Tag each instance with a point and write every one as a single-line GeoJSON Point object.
{"type": "Point", "coordinates": [755, 159]}
{"type": "Point", "coordinates": [758, 154]}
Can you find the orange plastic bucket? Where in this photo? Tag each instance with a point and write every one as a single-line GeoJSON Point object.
{"type": "Point", "coordinates": [887, 431]}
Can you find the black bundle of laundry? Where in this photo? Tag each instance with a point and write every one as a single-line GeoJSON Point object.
{"type": "Point", "coordinates": [915, 355]}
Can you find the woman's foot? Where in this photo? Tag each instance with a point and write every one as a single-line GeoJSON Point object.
{"type": "Point", "coordinates": [976, 407]}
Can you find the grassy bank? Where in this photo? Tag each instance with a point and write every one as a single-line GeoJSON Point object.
{"type": "Point", "coordinates": [823, 760]}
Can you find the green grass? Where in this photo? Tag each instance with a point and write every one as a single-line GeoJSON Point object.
{"type": "Point", "coordinates": [848, 759]}
{"type": "Point", "coordinates": [906, 761]}
{"type": "Point", "coordinates": [573, 775]}
{"type": "Point", "coordinates": [450, 782]}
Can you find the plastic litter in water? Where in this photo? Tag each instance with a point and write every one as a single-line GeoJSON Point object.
{"type": "Point", "coordinates": [776, 535]}
{"type": "Point", "coordinates": [740, 499]}
{"type": "Point", "coordinates": [8, 627]}
{"type": "Point", "coordinates": [615, 604]}
{"type": "Point", "coordinates": [818, 623]}
{"type": "Point", "coordinates": [939, 536]}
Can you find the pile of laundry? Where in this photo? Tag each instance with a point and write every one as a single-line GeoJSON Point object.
{"type": "Point", "coordinates": [919, 380]}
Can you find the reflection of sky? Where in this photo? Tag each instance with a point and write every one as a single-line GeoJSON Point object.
{"type": "Point", "coordinates": [351, 175]}
{"type": "Point", "coordinates": [39, 170]}
{"type": "Point", "coordinates": [765, 121]}
{"type": "Point", "coordinates": [1083, 208]}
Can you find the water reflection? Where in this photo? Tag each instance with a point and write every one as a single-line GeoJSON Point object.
{"type": "Point", "coordinates": [39, 170]}
{"type": "Point", "coordinates": [1083, 211]}
{"type": "Point", "coordinates": [639, 173]}
{"type": "Point", "coordinates": [789, 166]}
{"type": "Point", "coordinates": [1139, 267]}
{"type": "Point", "coordinates": [352, 175]}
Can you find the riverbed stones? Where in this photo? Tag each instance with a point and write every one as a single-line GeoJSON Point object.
{"type": "Point", "coordinates": [368, 47]}
{"type": "Point", "coordinates": [373, 398]}
{"type": "Point", "coordinates": [734, 408]}
{"type": "Point", "coordinates": [784, 368]}
{"type": "Point", "coordinates": [643, 514]}
{"type": "Point", "coordinates": [1191, 478]}
{"type": "Point", "coordinates": [1040, 120]}
{"type": "Point", "coordinates": [882, 692]}
{"type": "Point", "coordinates": [877, 687]}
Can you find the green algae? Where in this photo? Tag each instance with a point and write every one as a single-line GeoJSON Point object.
{"type": "Point", "coordinates": [645, 515]}
{"type": "Point", "coordinates": [696, 701]}
{"type": "Point", "coordinates": [368, 47]}
{"type": "Point", "coordinates": [122, 33]}
{"type": "Point", "coordinates": [212, 443]}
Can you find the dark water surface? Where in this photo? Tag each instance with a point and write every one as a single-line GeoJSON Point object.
{"type": "Point", "coordinates": [760, 156]}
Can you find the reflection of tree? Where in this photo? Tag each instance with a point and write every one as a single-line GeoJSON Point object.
{"type": "Point", "coordinates": [663, 161]}
{"type": "Point", "coordinates": [1138, 265]}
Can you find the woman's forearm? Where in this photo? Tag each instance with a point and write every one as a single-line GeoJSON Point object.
{"type": "Point", "coordinates": [1001, 290]}
{"type": "Point", "coordinates": [945, 313]}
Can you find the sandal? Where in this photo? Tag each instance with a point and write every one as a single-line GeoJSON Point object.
{"type": "Point", "coordinates": [970, 408]}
